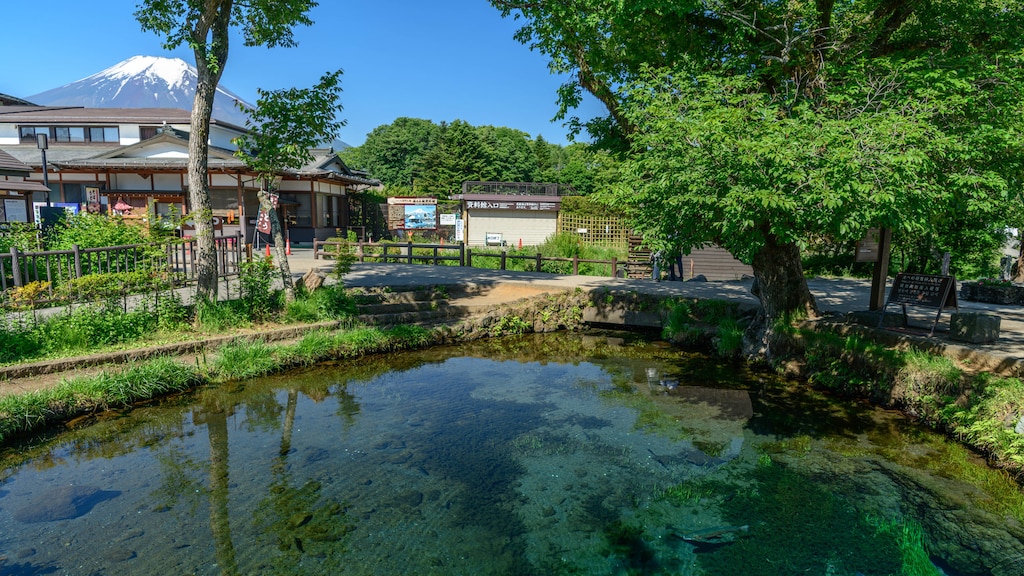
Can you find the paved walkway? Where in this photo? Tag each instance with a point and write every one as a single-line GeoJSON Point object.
{"type": "Point", "coordinates": [838, 296]}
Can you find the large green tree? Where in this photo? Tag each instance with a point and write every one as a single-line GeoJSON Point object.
{"type": "Point", "coordinates": [204, 25]}
{"type": "Point", "coordinates": [754, 124]}
{"type": "Point", "coordinates": [457, 154]}
{"type": "Point", "coordinates": [283, 128]}
{"type": "Point", "coordinates": [391, 152]}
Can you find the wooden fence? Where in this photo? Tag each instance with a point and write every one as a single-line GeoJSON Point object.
{"type": "Point", "coordinates": [461, 255]}
{"type": "Point", "coordinates": [59, 267]}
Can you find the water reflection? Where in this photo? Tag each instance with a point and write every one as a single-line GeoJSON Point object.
{"type": "Point", "coordinates": [553, 454]}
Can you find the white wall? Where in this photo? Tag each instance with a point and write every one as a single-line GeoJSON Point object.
{"type": "Point", "coordinates": [532, 227]}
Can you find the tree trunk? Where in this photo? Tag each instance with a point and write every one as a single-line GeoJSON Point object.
{"type": "Point", "coordinates": [780, 286]}
{"type": "Point", "coordinates": [198, 180]}
{"type": "Point", "coordinates": [287, 283]}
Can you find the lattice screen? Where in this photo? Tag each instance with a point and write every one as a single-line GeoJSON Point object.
{"type": "Point", "coordinates": [606, 231]}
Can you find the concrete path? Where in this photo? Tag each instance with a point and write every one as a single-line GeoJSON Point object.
{"type": "Point", "coordinates": [838, 296]}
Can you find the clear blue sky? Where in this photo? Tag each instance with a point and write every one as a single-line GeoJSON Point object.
{"type": "Point", "coordinates": [447, 60]}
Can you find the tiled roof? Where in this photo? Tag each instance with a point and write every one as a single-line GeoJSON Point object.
{"type": "Point", "coordinates": [11, 166]}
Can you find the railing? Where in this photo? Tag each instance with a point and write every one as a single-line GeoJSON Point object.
{"type": "Point", "coordinates": [58, 267]}
{"type": "Point", "coordinates": [457, 254]}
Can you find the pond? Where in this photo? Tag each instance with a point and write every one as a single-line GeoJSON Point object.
{"type": "Point", "coordinates": [595, 453]}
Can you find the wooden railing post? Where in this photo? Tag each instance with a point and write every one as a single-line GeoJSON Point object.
{"type": "Point", "coordinates": [78, 260]}
{"type": "Point", "coordinates": [539, 262]}
{"type": "Point", "coordinates": [469, 257]}
{"type": "Point", "coordinates": [15, 269]}
{"type": "Point", "coordinates": [503, 253]}
{"type": "Point", "coordinates": [409, 253]}
{"type": "Point", "coordinates": [316, 249]}
{"type": "Point", "coordinates": [462, 254]}
{"type": "Point", "coordinates": [575, 265]}
{"type": "Point", "coordinates": [615, 267]}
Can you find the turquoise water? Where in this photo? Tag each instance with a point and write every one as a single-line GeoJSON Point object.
{"type": "Point", "coordinates": [552, 454]}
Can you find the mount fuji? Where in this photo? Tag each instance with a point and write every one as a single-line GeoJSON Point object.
{"type": "Point", "coordinates": [143, 82]}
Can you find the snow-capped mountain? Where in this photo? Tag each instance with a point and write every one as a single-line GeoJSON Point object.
{"type": "Point", "coordinates": [142, 82]}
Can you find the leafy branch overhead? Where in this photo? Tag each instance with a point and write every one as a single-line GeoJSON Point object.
{"type": "Point", "coordinates": [287, 124]}
{"type": "Point", "coordinates": [757, 125]}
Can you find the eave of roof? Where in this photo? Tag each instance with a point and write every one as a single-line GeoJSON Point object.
{"type": "Point", "coordinates": [23, 186]}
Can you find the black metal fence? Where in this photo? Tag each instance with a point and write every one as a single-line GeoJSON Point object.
{"type": "Point", "coordinates": [58, 267]}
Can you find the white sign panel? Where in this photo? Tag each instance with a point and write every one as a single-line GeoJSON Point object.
{"type": "Point", "coordinates": [460, 230]}
{"type": "Point", "coordinates": [15, 210]}
{"type": "Point", "coordinates": [447, 219]}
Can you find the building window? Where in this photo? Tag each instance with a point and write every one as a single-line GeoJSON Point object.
{"type": "Point", "coordinates": [71, 133]}
{"type": "Point", "coordinates": [147, 132]}
{"type": "Point", "coordinates": [28, 133]}
{"type": "Point", "coordinates": [73, 193]}
{"type": "Point", "coordinates": [104, 134]}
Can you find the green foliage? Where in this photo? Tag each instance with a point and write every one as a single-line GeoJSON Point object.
{"type": "Point", "coordinates": [344, 258]}
{"type": "Point", "coordinates": [745, 130]}
{"type": "Point", "coordinates": [21, 235]}
{"type": "Point", "coordinates": [25, 412]}
{"type": "Point", "coordinates": [244, 359]}
{"type": "Point", "coordinates": [286, 124]}
{"type": "Point", "coordinates": [730, 338]}
{"type": "Point", "coordinates": [988, 419]}
{"type": "Point", "coordinates": [255, 279]}
{"type": "Point", "coordinates": [509, 325]}
{"type": "Point", "coordinates": [851, 365]}
{"type": "Point", "coordinates": [94, 231]}
{"type": "Point", "coordinates": [391, 152]}
{"type": "Point", "coordinates": [217, 316]}
{"type": "Point", "coordinates": [326, 303]}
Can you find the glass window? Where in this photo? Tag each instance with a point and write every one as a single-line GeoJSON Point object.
{"type": "Point", "coordinates": [303, 213]}
{"type": "Point", "coordinates": [73, 193]}
{"type": "Point", "coordinates": [104, 134]}
{"type": "Point", "coordinates": [77, 134]}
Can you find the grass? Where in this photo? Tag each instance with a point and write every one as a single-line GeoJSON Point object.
{"type": "Point", "coordinates": [239, 360]}
{"type": "Point", "coordinates": [22, 413]}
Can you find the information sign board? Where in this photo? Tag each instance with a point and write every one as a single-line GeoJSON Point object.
{"type": "Point", "coordinates": [927, 290]}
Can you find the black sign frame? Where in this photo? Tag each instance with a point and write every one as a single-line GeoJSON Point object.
{"type": "Point", "coordinates": [926, 290]}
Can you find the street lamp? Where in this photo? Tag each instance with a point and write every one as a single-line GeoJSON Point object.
{"type": "Point", "coordinates": [42, 144]}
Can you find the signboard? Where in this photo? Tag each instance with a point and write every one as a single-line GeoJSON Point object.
{"type": "Point", "coordinates": [412, 213]}
{"type": "Point", "coordinates": [923, 290]}
{"type": "Point", "coordinates": [92, 199]}
{"type": "Point", "coordinates": [263, 222]}
{"type": "Point", "coordinates": [460, 230]}
{"type": "Point", "coordinates": [493, 238]}
{"type": "Point", "coordinates": [447, 219]}
{"type": "Point", "coordinates": [927, 290]}
{"type": "Point", "coordinates": [15, 210]}
{"type": "Point", "coordinates": [509, 205]}
{"type": "Point", "coordinates": [69, 207]}
{"type": "Point", "coordinates": [868, 247]}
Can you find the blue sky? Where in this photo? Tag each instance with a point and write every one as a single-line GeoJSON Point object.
{"type": "Point", "coordinates": [454, 59]}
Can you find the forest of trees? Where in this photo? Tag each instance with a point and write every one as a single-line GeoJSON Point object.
{"type": "Point", "coordinates": [416, 156]}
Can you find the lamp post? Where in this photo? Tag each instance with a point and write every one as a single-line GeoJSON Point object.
{"type": "Point", "coordinates": [42, 144]}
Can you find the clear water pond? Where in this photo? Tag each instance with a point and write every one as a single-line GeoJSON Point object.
{"type": "Point", "coordinates": [549, 454]}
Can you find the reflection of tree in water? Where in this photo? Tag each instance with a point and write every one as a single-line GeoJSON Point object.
{"type": "Point", "coordinates": [216, 420]}
{"type": "Point", "coordinates": [300, 525]}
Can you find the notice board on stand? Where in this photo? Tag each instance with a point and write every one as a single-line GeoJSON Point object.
{"type": "Point", "coordinates": [926, 290]}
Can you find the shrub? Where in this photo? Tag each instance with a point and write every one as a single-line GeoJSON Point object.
{"type": "Point", "coordinates": [255, 279]}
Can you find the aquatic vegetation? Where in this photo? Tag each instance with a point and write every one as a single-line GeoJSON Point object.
{"type": "Point", "coordinates": [790, 509]}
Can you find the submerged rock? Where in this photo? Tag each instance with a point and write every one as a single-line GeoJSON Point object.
{"type": "Point", "coordinates": [62, 503]}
